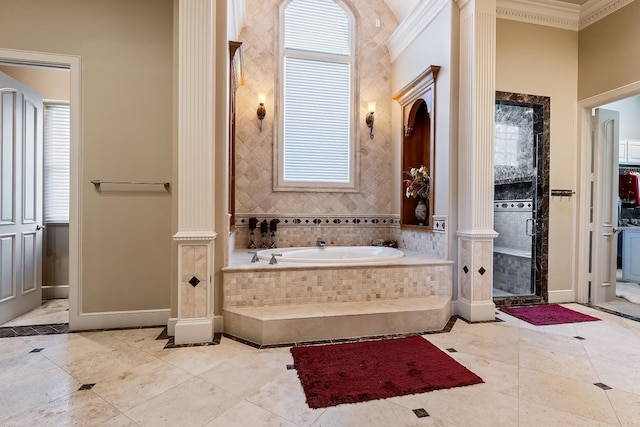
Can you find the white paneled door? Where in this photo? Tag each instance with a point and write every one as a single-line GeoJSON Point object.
{"type": "Point", "coordinates": [20, 199]}
{"type": "Point", "coordinates": [604, 204]}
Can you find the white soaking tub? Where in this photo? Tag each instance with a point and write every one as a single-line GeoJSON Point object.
{"type": "Point", "coordinates": [333, 254]}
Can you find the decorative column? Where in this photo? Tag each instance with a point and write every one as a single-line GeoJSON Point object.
{"type": "Point", "coordinates": [476, 158]}
{"type": "Point", "coordinates": [196, 233]}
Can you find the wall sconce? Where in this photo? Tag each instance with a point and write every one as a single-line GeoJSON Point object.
{"type": "Point", "coordinates": [371, 108]}
{"type": "Point", "coordinates": [262, 98]}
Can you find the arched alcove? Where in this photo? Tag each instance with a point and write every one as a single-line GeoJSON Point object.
{"type": "Point", "coordinates": [418, 142]}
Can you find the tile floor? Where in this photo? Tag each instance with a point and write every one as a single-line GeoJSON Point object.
{"type": "Point", "coordinates": [583, 374]}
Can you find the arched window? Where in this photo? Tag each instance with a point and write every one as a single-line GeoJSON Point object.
{"type": "Point", "coordinates": [316, 94]}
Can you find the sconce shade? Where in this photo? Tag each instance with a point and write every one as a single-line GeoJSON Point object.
{"type": "Point", "coordinates": [262, 111]}
{"type": "Point", "coordinates": [371, 109]}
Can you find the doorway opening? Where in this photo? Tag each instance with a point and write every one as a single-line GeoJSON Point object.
{"type": "Point", "coordinates": [521, 200]}
{"type": "Point", "coordinates": [53, 84]}
{"type": "Point", "coordinates": [73, 65]}
{"type": "Point", "coordinates": [615, 231]}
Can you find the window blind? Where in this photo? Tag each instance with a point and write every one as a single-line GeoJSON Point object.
{"type": "Point", "coordinates": [317, 93]}
{"type": "Point", "coordinates": [56, 163]}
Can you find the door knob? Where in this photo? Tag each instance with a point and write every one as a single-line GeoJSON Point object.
{"type": "Point", "coordinates": [40, 227]}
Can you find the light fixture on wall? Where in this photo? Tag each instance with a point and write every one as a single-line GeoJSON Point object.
{"type": "Point", "coordinates": [262, 98]}
{"type": "Point", "coordinates": [371, 109]}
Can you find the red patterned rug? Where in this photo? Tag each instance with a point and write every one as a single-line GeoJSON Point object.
{"type": "Point", "coordinates": [551, 314]}
{"type": "Point", "coordinates": [369, 370]}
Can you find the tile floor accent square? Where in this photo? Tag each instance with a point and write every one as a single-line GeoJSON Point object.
{"type": "Point", "coordinates": [86, 387]}
{"type": "Point", "coordinates": [421, 413]}
{"type": "Point", "coordinates": [602, 386]}
{"type": "Point", "coordinates": [36, 350]}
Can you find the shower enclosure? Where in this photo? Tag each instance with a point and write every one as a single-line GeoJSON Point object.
{"type": "Point", "coordinates": [520, 196]}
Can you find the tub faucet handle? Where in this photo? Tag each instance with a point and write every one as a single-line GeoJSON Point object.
{"type": "Point", "coordinates": [255, 256]}
{"type": "Point", "coordinates": [273, 258]}
{"type": "Point", "coordinates": [320, 242]}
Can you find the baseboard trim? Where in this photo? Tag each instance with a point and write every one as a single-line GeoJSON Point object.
{"type": "Point", "coordinates": [556, 297]}
{"type": "Point", "coordinates": [55, 292]}
{"type": "Point", "coordinates": [119, 319]}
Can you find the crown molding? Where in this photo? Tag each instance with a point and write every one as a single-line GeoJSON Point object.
{"type": "Point", "coordinates": [550, 13]}
{"type": "Point", "coordinates": [414, 24]}
{"type": "Point", "coordinates": [595, 10]}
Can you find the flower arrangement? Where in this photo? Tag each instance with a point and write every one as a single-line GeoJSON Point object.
{"type": "Point", "coordinates": [419, 183]}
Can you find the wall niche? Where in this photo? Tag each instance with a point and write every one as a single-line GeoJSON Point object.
{"type": "Point", "coordinates": [418, 142]}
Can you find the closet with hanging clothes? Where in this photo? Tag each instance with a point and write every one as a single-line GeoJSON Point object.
{"type": "Point", "coordinates": [628, 219]}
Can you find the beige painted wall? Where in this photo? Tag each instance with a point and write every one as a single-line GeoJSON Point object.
{"type": "Point", "coordinates": [254, 149]}
{"type": "Point", "coordinates": [608, 52]}
{"type": "Point", "coordinates": [127, 62]}
{"type": "Point", "coordinates": [538, 60]}
{"type": "Point", "coordinates": [52, 84]}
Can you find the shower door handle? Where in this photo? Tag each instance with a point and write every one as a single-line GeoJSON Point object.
{"type": "Point", "coordinates": [531, 232]}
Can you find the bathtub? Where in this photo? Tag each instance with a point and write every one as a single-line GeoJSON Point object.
{"type": "Point", "coordinates": [332, 254]}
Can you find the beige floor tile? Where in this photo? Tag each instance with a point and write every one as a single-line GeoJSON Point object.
{"type": "Point", "coordinates": [191, 403]}
{"type": "Point", "coordinates": [532, 415]}
{"type": "Point", "coordinates": [247, 373]}
{"type": "Point", "coordinates": [556, 363]}
{"type": "Point", "coordinates": [285, 397]}
{"type": "Point", "coordinates": [487, 343]}
{"type": "Point", "coordinates": [120, 421]}
{"type": "Point", "coordinates": [377, 412]}
{"type": "Point", "coordinates": [13, 347]}
{"type": "Point", "coordinates": [607, 332]}
{"type": "Point", "coordinates": [627, 407]}
{"type": "Point", "coordinates": [132, 387]}
{"type": "Point", "coordinates": [35, 391]}
{"type": "Point", "coordinates": [23, 366]}
{"type": "Point", "coordinates": [246, 414]}
{"type": "Point", "coordinates": [577, 397]}
{"type": "Point", "coordinates": [498, 376]}
{"type": "Point", "coordinates": [557, 343]}
{"type": "Point", "coordinates": [620, 376]}
{"type": "Point", "coordinates": [474, 405]}
{"type": "Point", "coordinates": [50, 311]}
{"type": "Point", "coordinates": [81, 408]}
{"type": "Point", "coordinates": [197, 360]}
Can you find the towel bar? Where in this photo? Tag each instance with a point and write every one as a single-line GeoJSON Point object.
{"type": "Point", "coordinates": [97, 182]}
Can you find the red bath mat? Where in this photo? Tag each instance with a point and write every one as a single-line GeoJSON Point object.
{"type": "Point", "coordinates": [356, 372]}
{"type": "Point", "coordinates": [551, 314]}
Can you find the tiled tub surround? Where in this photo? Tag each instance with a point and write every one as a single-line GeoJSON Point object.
{"type": "Point", "coordinates": [344, 230]}
{"type": "Point", "coordinates": [512, 247]}
{"type": "Point", "coordinates": [284, 303]}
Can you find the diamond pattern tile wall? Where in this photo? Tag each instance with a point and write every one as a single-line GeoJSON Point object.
{"type": "Point", "coordinates": [254, 149]}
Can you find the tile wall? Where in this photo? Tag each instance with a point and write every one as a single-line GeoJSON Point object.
{"type": "Point", "coordinates": [282, 286]}
{"type": "Point", "coordinates": [255, 149]}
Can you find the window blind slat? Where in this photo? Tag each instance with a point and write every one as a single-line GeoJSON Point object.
{"type": "Point", "coordinates": [57, 170]}
{"type": "Point", "coordinates": [317, 99]}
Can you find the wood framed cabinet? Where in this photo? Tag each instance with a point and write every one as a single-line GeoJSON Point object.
{"type": "Point", "coordinates": [418, 142]}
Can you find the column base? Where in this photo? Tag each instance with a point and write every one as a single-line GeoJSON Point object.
{"type": "Point", "coordinates": [193, 331]}
{"type": "Point", "coordinates": [478, 311]}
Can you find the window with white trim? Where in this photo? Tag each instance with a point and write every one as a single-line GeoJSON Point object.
{"type": "Point", "coordinates": [56, 162]}
{"type": "Point", "coordinates": [316, 140]}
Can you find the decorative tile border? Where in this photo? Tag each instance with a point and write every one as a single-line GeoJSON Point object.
{"type": "Point", "coordinates": [25, 331]}
{"type": "Point", "coordinates": [524, 205]}
{"type": "Point", "coordinates": [242, 220]}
